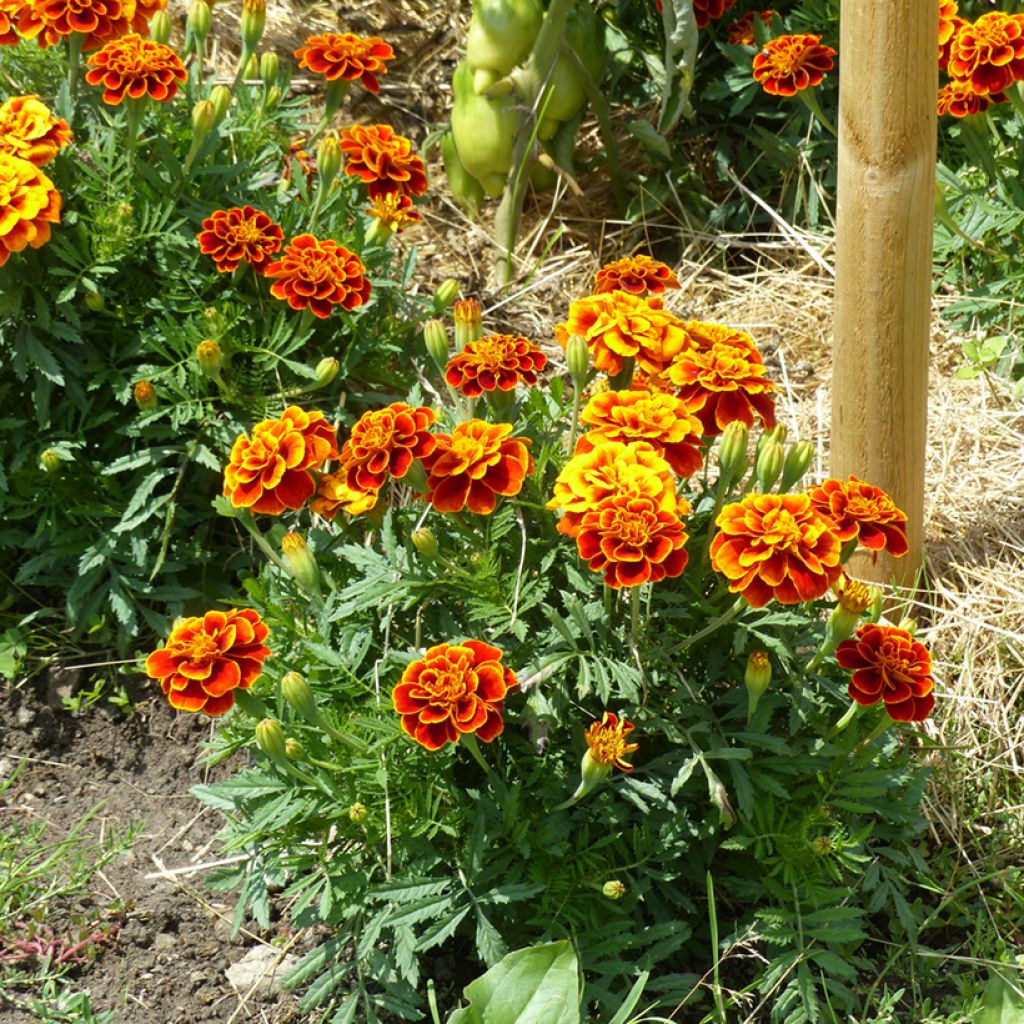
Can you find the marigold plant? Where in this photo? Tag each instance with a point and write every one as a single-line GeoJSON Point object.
{"type": "Point", "coordinates": [989, 53]}
{"type": "Point", "coordinates": [334, 494]}
{"type": "Point", "coordinates": [29, 205]}
{"type": "Point", "coordinates": [384, 443]}
{"type": "Point", "coordinates": [741, 31]}
{"type": "Point", "coordinates": [959, 99]}
{"type": "Point", "coordinates": [30, 131]}
{"type": "Point", "coordinates": [864, 512]}
{"type": "Point", "coordinates": [790, 63]}
{"type": "Point", "coordinates": [318, 274]}
{"type": "Point", "coordinates": [496, 362]}
{"type": "Point", "coordinates": [383, 160]}
{"type": "Point", "coordinates": [638, 275]}
{"type": "Point", "coordinates": [131, 67]}
{"type": "Point", "coordinates": [345, 56]}
{"type": "Point", "coordinates": [607, 741]}
{"type": "Point", "coordinates": [242, 234]}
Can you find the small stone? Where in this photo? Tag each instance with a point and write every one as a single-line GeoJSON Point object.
{"type": "Point", "coordinates": [164, 942]}
{"type": "Point", "coordinates": [25, 717]}
{"type": "Point", "coordinates": [260, 970]}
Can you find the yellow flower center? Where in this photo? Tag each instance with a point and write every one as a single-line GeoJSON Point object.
{"type": "Point", "coordinates": [247, 231]}
{"type": "Point", "coordinates": [632, 528]}
{"type": "Point", "coordinates": [467, 449]}
{"type": "Point", "coordinates": [449, 681]}
{"type": "Point", "coordinates": [607, 744]}
{"type": "Point", "coordinates": [201, 647]}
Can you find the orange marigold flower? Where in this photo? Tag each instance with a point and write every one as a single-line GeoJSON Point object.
{"type": "Point", "coordinates": [776, 546]}
{"type": "Point", "coordinates": [788, 64]}
{"type": "Point", "coordinates": [633, 541]}
{"type": "Point", "coordinates": [393, 210]}
{"type": "Point", "coordinates": [50, 21]}
{"type": "Point", "coordinates": [859, 510]}
{"type": "Point", "coordinates": [241, 234]}
{"type": "Point", "coordinates": [346, 56]}
{"type": "Point", "coordinates": [607, 743]}
{"type": "Point", "coordinates": [385, 443]}
{"type": "Point", "coordinates": [620, 326]}
{"type": "Point", "coordinates": [208, 657]}
{"type": "Point", "coordinates": [612, 469]}
{"type": "Point", "coordinates": [383, 160]}
{"type": "Point", "coordinates": [989, 53]}
{"type": "Point", "coordinates": [333, 493]}
{"type": "Point", "coordinates": [318, 275]}
{"type": "Point", "coordinates": [741, 31]}
{"type": "Point", "coordinates": [454, 689]}
{"type": "Point", "coordinates": [132, 67]}
{"type": "Point", "coordinates": [28, 130]}
{"type": "Point", "coordinates": [889, 665]}
{"type": "Point", "coordinates": [297, 153]}
{"type": "Point", "coordinates": [638, 275]}
{"type": "Point", "coordinates": [271, 471]}
{"type": "Point", "coordinates": [497, 362]}
{"type": "Point", "coordinates": [474, 464]}
{"type": "Point", "coordinates": [8, 14]}
{"type": "Point", "coordinates": [949, 25]}
{"type": "Point", "coordinates": [959, 99]}
{"type": "Point", "coordinates": [660, 419]}
{"type": "Point", "coordinates": [705, 11]}
{"type": "Point", "coordinates": [29, 204]}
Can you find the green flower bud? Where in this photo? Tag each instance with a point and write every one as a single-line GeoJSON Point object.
{"type": "Point", "coordinates": [415, 477]}
{"type": "Point", "coordinates": [435, 337]}
{"type": "Point", "coordinates": [577, 358]}
{"type": "Point", "coordinates": [425, 542]}
{"type": "Point", "coordinates": [614, 889]}
{"type": "Point", "coordinates": [328, 160]}
{"type": "Point", "coordinates": [854, 599]}
{"type": "Point", "coordinates": [732, 453]}
{"type": "Point", "coordinates": [50, 460]}
{"type": "Point", "coordinates": [270, 739]}
{"type": "Point", "coordinates": [469, 324]}
{"type": "Point", "coordinates": [446, 293]}
{"type": "Point", "coordinates": [273, 95]}
{"type": "Point", "coordinates": [252, 65]}
{"type": "Point", "coordinates": [95, 302]}
{"type": "Point", "coordinates": [145, 395]}
{"type": "Point", "coordinates": [908, 624]}
{"type": "Point", "coordinates": [358, 813]}
{"type": "Point", "coordinates": [270, 67]}
{"type": "Point", "coordinates": [254, 21]}
{"type": "Point", "coordinates": [220, 97]}
{"type": "Point", "coordinates": [293, 750]}
{"type": "Point", "coordinates": [757, 679]}
{"type": "Point", "coordinates": [769, 465]}
{"type": "Point", "coordinates": [204, 118]}
{"type": "Point", "coordinates": [160, 27]}
{"type": "Point", "coordinates": [297, 693]}
{"type": "Point", "coordinates": [210, 358]}
{"type": "Point", "coordinates": [798, 461]}
{"type": "Point", "coordinates": [301, 562]}
{"type": "Point", "coordinates": [197, 24]}
{"type": "Point", "coordinates": [326, 370]}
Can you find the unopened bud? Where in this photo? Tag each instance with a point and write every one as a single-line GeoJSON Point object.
{"type": "Point", "coordinates": [577, 359]}
{"type": "Point", "coordinates": [95, 302]}
{"type": "Point", "coordinates": [50, 460]}
{"type": "Point", "coordinates": [757, 679]}
{"type": "Point", "coordinates": [873, 612]}
{"type": "Point", "coordinates": [326, 370]}
{"type": "Point", "coordinates": [425, 542]}
{"type": "Point", "coordinates": [769, 465]}
{"type": "Point", "coordinates": [273, 96]}
{"type": "Point", "coordinates": [145, 396]}
{"type": "Point", "coordinates": [220, 97]}
{"type": "Point", "coordinates": [719, 796]}
{"type": "Point", "coordinates": [328, 160]}
{"type": "Point", "coordinates": [204, 119]}
{"type": "Point", "coordinates": [732, 453]}
{"type": "Point", "coordinates": [297, 693]}
{"type": "Point", "coordinates": [446, 294]}
{"type": "Point", "coordinates": [252, 66]}
{"type": "Point", "coordinates": [435, 337]}
{"type": "Point", "coordinates": [160, 27]}
{"type": "Point", "coordinates": [469, 324]}
{"type": "Point", "coordinates": [197, 24]}
{"type": "Point", "coordinates": [614, 889]}
{"type": "Point", "coordinates": [210, 358]}
{"type": "Point", "coordinates": [293, 750]}
{"type": "Point", "coordinates": [854, 598]}
{"type": "Point", "coordinates": [254, 21]}
{"type": "Point", "coordinates": [358, 813]}
{"type": "Point", "coordinates": [798, 461]}
{"type": "Point", "coordinates": [908, 624]}
{"type": "Point", "coordinates": [270, 67]}
{"type": "Point", "coordinates": [300, 561]}
{"type": "Point", "coordinates": [270, 739]}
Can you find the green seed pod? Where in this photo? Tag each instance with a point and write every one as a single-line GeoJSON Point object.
{"type": "Point", "coordinates": [769, 465]}
{"type": "Point", "coordinates": [254, 21]}
{"type": "Point", "coordinates": [435, 337]}
{"type": "Point", "coordinates": [50, 460]}
{"type": "Point", "coordinates": [326, 370]}
{"type": "Point", "coordinates": [484, 131]}
{"type": "Point", "coordinates": [197, 23]}
{"type": "Point", "coordinates": [300, 561]}
{"type": "Point", "coordinates": [252, 69]}
{"type": "Point", "coordinates": [501, 33]}
{"type": "Point", "coordinates": [468, 192]}
{"type": "Point", "coordinates": [328, 160]}
{"type": "Point", "coordinates": [798, 461]}
{"type": "Point", "coordinates": [614, 889]}
{"type": "Point", "coordinates": [358, 813]}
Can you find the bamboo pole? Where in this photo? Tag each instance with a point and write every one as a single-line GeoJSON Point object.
{"type": "Point", "coordinates": [888, 82]}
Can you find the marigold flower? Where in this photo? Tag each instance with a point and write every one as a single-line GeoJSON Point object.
{"type": "Point", "coordinates": [241, 234]}
{"type": "Point", "coordinates": [889, 665]}
{"type": "Point", "coordinates": [618, 326]}
{"type": "Point", "coordinates": [318, 275]}
{"type": "Point", "coordinates": [474, 464]}
{"type": "Point", "coordinates": [346, 56]}
{"type": "Point", "coordinates": [612, 469]}
{"type": "Point", "coordinates": [454, 689]}
{"type": "Point", "coordinates": [385, 443]}
{"type": "Point", "coordinates": [271, 471]}
{"type": "Point", "coordinates": [145, 395]}
{"type": "Point", "coordinates": [383, 160]}
{"type": "Point", "coordinates": [776, 546]}
{"type": "Point", "coordinates": [859, 510]}
{"type": "Point", "coordinates": [208, 657]}
{"type": "Point", "coordinates": [497, 362]}
{"type": "Point", "coordinates": [132, 67]}
{"type": "Point", "coordinates": [29, 204]}
{"type": "Point", "coordinates": [662, 420]}
{"type": "Point", "coordinates": [50, 21]}
{"type": "Point", "coordinates": [788, 64]}
{"type": "Point", "coordinates": [607, 742]}
{"type": "Point", "coordinates": [705, 11]}
{"type": "Point", "coordinates": [988, 53]}
{"type": "Point", "coordinates": [333, 494]}
{"type": "Point", "coordinates": [8, 13]}
{"type": "Point", "coordinates": [28, 130]}
{"type": "Point", "coordinates": [959, 99]}
{"type": "Point", "coordinates": [638, 275]}
{"type": "Point", "coordinates": [633, 541]}
{"type": "Point", "coordinates": [949, 25]}
{"type": "Point", "coordinates": [741, 31]}
{"type": "Point", "coordinates": [393, 211]}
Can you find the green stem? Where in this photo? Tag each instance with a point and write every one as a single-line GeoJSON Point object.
{"type": "Point", "coordinates": [135, 112]}
{"type": "Point", "coordinates": [623, 380]}
{"type": "Point", "coordinates": [577, 399]}
{"type": "Point", "coordinates": [880, 728]}
{"type": "Point", "coordinates": [469, 741]}
{"type": "Point", "coordinates": [727, 616]}
{"type": "Point", "coordinates": [609, 607]}
{"type": "Point", "coordinates": [634, 615]}
{"type": "Point", "coordinates": [810, 100]}
{"type": "Point", "coordinates": [75, 41]}
{"type": "Point", "coordinates": [851, 713]}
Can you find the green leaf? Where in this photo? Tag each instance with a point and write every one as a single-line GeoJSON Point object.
{"type": "Point", "coordinates": [1004, 1002]}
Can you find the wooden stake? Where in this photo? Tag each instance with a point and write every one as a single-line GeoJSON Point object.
{"type": "Point", "coordinates": [888, 82]}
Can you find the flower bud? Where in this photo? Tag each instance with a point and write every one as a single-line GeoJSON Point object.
{"type": "Point", "coordinates": [145, 396]}
{"type": "Point", "coordinates": [220, 97]}
{"type": "Point", "coordinates": [297, 693]}
{"type": "Point", "coordinates": [328, 160]}
{"type": "Point", "coordinates": [95, 302]}
{"type": "Point", "coordinates": [204, 119]}
{"type": "Point", "coordinates": [425, 542]}
{"type": "Point", "coordinates": [50, 460]}
{"type": "Point", "coordinates": [732, 453]}
{"type": "Point", "coordinates": [210, 358]}
{"type": "Point", "coordinates": [273, 95]}
{"type": "Point", "coordinates": [873, 612]}
{"type": "Point", "coordinates": [415, 477]}
{"type": "Point", "coordinates": [577, 359]}
{"type": "Point", "coordinates": [300, 561]}
{"type": "Point", "coordinates": [446, 293]}
{"type": "Point", "coordinates": [435, 337]}
{"type": "Point", "coordinates": [798, 461]}
{"type": "Point", "coordinates": [614, 889]}
{"type": "Point", "coordinates": [854, 598]}
{"type": "Point", "coordinates": [197, 24]}
{"type": "Point", "coordinates": [757, 679]}
{"type": "Point", "coordinates": [270, 739]}
{"type": "Point", "coordinates": [358, 813]}
{"type": "Point", "coordinates": [293, 750]}
{"type": "Point", "coordinates": [252, 68]}
{"type": "Point", "coordinates": [326, 370]}
{"type": "Point", "coordinates": [769, 465]}
{"type": "Point", "coordinates": [469, 324]}
{"type": "Point", "coordinates": [254, 21]}
{"type": "Point", "coordinates": [270, 67]}
{"type": "Point", "coordinates": [160, 27]}
{"type": "Point", "coordinates": [719, 796]}
{"type": "Point", "coordinates": [908, 624]}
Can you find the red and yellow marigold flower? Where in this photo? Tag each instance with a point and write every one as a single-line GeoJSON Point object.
{"type": "Point", "coordinates": [475, 464]}
{"type": "Point", "coordinates": [790, 63]}
{"type": "Point", "coordinates": [496, 362]}
{"type": "Point", "coordinates": [242, 234]}
{"type": "Point", "coordinates": [50, 21]}
{"type": "Point", "coordinates": [453, 690]}
{"type": "Point", "coordinates": [660, 419]}
{"type": "Point", "coordinates": [776, 546]}
{"type": "Point", "coordinates": [333, 494]}
{"type": "Point", "coordinates": [705, 11]}
{"type": "Point", "coordinates": [638, 275]}
{"type": "Point", "coordinates": [28, 130]}
{"type": "Point", "coordinates": [607, 744]}
{"type": "Point", "coordinates": [8, 14]}
{"type": "Point", "coordinates": [949, 22]}
{"type": "Point", "coordinates": [741, 31]}
{"type": "Point", "coordinates": [633, 541]}
{"type": "Point", "coordinates": [383, 160]}
{"type": "Point", "coordinates": [860, 510]}
{"type": "Point", "coordinates": [612, 469]}
{"type": "Point", "coordinates": [393, 211]}
{"type": "Point", "coordinates": [208, 657]}
{"type": "Point", "coordinates": [271, 471]}
{"type": "Point", "coordinates": [889, 665]}
{"type": "Point", "coordinates": [29, 205]}
{"type": "Point", "coordinates": [131, 67]}
{"type": "Point", "coordinates": [385, 443]}
{"type": "Point", "coordinates": [347, 57]}
{"type": "Point", "coordinates": [988, 53]}
{"type": "Point", "coordinates": [619, 326]}
{"type": "Point", "coordinates": [318, 274]}
{"type": "Point", "coordinates": [959, 99]}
